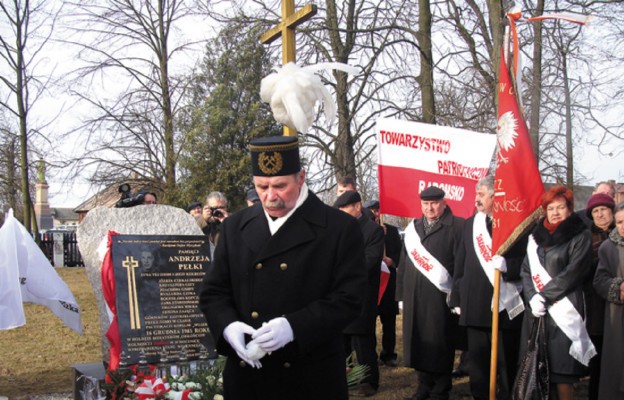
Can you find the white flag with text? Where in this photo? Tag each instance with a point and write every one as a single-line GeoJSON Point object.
{"type": "Point", "coordinates": [38, 280]}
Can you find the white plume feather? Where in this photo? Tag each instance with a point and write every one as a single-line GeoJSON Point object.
{"type": "Point", "coordinates": [293, 91]}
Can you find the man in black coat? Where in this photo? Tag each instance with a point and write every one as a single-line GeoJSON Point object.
{"type": "Point", "coordinates": [472, 293]}
{"type": "Point", "coordinates": [430, 331]}
{"type": "Point", "coordinates": [388, 306]}
{"type": "Point", "coordinates": [286, 279]}
{"type": "Point", "coordinates": [360, 334]}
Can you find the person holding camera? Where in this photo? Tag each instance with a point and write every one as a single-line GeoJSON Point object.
{"type": "Point", "coordinates": [215, 211]}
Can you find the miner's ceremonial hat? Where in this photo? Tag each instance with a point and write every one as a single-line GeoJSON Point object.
{"type": "Point", "coordinates": [347, 198]}
{"type": "Point", "coordinates": [432, 193]}
{"type": "Point", "coordinates": [275, 156]}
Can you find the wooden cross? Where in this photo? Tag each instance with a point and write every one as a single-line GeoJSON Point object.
{"type": "Point", "coordinates": [286, 29]}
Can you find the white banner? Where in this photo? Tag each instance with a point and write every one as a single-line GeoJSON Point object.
{"type": "Point", "coordinates": [11, 310]}
{"type": "Point", "coordinates": [413, 156]}
{"type": "Point", "coordinates": [38, 280]}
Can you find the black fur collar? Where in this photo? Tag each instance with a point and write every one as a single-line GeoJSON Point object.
{"type": "Point", "coordinates": [570, 227]}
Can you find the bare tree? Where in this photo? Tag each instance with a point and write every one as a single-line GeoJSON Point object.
{"type": "Point", "coordinates": [374, 36]}
{"type": "Point", "coordinates": [536, 81]}
{"type": "Point", "coordinates": [9, 176]}
{"type": "Point", "coordinates": [129, 44]}
{"type": "Point", "coordinates": [425, 79]}
{"type": "Point", "coordinates": [30, 26]}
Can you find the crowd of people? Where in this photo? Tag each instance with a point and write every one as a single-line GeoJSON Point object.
{"type": "Point", "coordinates": [294, 288]}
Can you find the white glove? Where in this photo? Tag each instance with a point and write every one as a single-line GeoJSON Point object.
{"type": "Point", "coordinates": [456, 310]}
{"type": "Point", "coordinates": [538, 306]}
{"type": "Point", "coordinates": [234, 333]}
{"type": "Point", "coordinates": [274, 334]}
{"type": "Point", "coordinates": [499, 263]}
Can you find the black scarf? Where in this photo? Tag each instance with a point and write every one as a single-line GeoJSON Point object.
{"type": "Point", "coordinates": [569, 227]}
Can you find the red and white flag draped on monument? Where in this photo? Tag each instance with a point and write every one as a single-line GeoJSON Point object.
{"type": "Point", "coordinates": [518, 186]}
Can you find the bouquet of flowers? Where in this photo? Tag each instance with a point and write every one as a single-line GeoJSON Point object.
{"type": "Point", "coordinates": [127, 383]}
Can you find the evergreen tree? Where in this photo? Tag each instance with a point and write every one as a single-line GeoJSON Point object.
{"type": "Point", "coordinates": [227, 113]}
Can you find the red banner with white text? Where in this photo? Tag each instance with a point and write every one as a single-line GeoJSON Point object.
{"type": "Point", "coordinates": [518, 187]}
{"type": "Point", "coordinates": [413, 156]}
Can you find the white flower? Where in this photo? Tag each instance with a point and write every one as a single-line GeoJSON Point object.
{"type": "Point", "coordinates": [211, 380]}
{"type": "Point", "coordinates": [217, 397]}
{"type": "Point", "coordinates": [192, 385]}
{"type": "Point", "coordinates": [195, 396]}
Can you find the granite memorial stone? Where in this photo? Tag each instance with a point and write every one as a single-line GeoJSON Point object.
{"type": "Point", "coordinates": [92, 234]}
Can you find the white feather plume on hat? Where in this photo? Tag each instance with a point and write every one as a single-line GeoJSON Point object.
{"type": "Point", "coordinates": [292, 92]}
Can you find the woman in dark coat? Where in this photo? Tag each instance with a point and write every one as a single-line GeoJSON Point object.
{"type": "Point", "coordinates": [609, 283]}
{"type": "Point", "coordinates": [557, 262]}
{"type": "Point", "coordinates": [600, 210]}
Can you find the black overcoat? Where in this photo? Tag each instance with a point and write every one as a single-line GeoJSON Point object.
{"type": "Point", "coordinates": [566, 256]}
{"type": "Point", "coordinates": [429, 329]}
{"type": "Point", "coordinates": [310, 271]}
{"type": "Point", "coordinates": [392, 240]}
{"type": "Point", "coordinates": [472, 291]}
{"type": "Point", "coordinates": [373, 249]}
{"type": "Point", "coordinates": [608, 279]}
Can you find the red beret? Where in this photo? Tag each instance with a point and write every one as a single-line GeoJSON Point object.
{"type": "Point", "coordinates": [599, 199]}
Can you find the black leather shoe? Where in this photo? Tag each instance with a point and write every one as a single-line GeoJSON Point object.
{"type": "Point", "coordinates": [459, 373]}
{"type": "Point", "coordinates": [391, 362]}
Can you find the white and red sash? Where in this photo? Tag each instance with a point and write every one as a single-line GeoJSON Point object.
{"type": "Point", "coordinates": [509, 299]}
{"type": "Point", "coordinates": [562, 312]}
{"type": "Point", "coordinates": [425, 263]}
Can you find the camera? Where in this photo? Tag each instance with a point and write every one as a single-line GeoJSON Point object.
{"type": "Point", "coordinates": [126, 199]}
{"type": "Point", "coordinates": [216, 212]}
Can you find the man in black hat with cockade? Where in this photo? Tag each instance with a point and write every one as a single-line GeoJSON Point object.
{"type": "Point", "coordinates": [360, 334]}
{"type": "Point", "coordinates": [195, 208]}
{"type": "Point", "coordinates": [251, 197]}
{"type": "Point", "coordinates": [427, 262]}
{"type": "Point", "coordinates": [285, 281]}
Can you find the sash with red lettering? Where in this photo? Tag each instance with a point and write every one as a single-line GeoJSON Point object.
{"type": "Point", "coordinates": [562, 312]}
{"type": "Point", "coordinates": [509, 299]}
{"type": "Point", "coordinates": [425, 263]}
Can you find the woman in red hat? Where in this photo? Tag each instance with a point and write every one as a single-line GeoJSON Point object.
{"type": "Point", "coordinates": [600, 211]}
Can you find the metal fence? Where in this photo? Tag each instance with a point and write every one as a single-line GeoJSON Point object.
{"type": "Point", "coordinates": [71, 253]}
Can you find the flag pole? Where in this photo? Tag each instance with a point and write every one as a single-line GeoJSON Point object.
{"type": "Point", "coordinates": [496, 294]}
{"type": "Point", "coordinates": [494, 351]}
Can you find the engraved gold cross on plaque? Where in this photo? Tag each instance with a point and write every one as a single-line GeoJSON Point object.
{"type": "Point", "coordinates": [286, 29]}
{"type": "Point", "coordinates": [130, 264]}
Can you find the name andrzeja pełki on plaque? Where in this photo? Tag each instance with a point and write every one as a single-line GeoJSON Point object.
{"type": "Point", "coordinates": [157, 279]}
